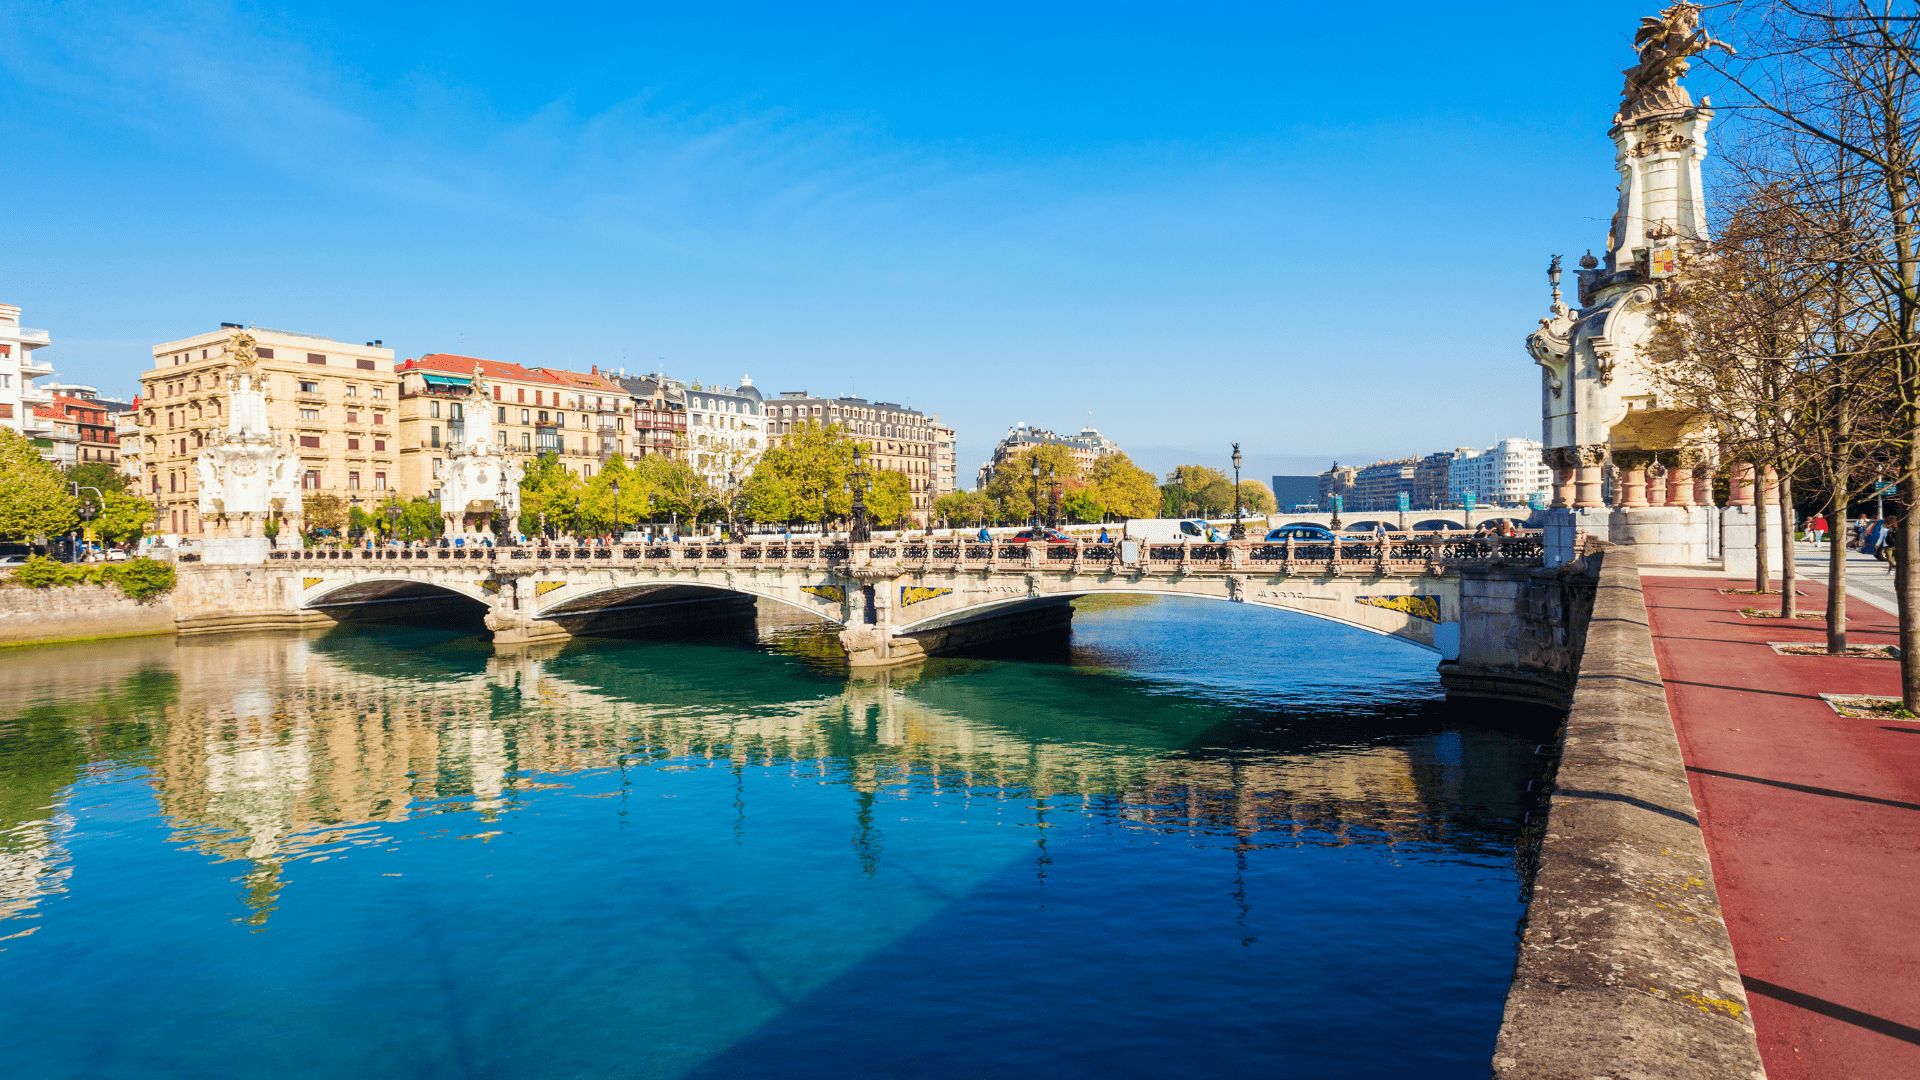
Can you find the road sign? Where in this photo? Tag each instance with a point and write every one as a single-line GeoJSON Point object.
{"type": "Point", "coordinates": [1468, 499]}
{"type": "Point", "coordinates": [1884, 487]}
{"type": "Point", "coordinates": [1536, 501]}
{"type": "Point", "coordinates": [1406, 503]}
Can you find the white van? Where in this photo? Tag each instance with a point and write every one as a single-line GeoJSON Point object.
{"type": "Point", "coordinates": [1165, 530]}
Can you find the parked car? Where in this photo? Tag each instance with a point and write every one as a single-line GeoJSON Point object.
{"type": "Point", "coordinates": [1051, 536]}
{"type": "Point", "coordinates": [1299, 530]}
{"type": "Point", "coordinates": [13, 560]}
{"type": "Point", "coordinates": [116, 555]}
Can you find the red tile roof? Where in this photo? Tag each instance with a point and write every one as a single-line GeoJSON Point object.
{"type": "Point", "coordinates": [454, 364]}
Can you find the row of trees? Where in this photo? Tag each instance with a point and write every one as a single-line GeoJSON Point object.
{"type": "Point", "coordinates": [1114, 487]}
{"type": "Point", "coordinates": [38, 501]}
{"type": "Point", "coordinates": [1796, 334]}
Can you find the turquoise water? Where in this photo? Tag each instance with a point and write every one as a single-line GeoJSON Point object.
{"type": "Point", "coordinates": [1196, 839]}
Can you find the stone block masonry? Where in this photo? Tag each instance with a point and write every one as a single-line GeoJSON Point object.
{"type": "Point", "coordinates": [1625, 967]}
{"type": "Point", "coordinates": [78, 612]}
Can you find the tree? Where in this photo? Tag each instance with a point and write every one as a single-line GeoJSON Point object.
{"type": "Point", "coordinates": [35, 500]}
{"type": "Point", "coordinates": [549, 492]}
{"type": "Point", "coordinates": [1196, 491]}
{"type": "Point", "coordinates": [324, 512]}
{"type": "Point", "coordinates": [599, 505]}
{"type": "Point", "coordinates": [768, 502]}
{"type": "Point", "coordinates": [124, 518]}
{"type": "Point", "coordinates": [810, 467]}
{"type": "Point", "coordinates": [1125, 490]}
{"type": "Point", "coordinates": [98, 474]}
{"type": "Point", "coordinates": [1255, 496]}
{"type": "Point", "coordinates": [890, 501]}
{"type": "Point", "coordinates": [1012, 486]}
{"type": "Point", "coordinates": [675, 488]}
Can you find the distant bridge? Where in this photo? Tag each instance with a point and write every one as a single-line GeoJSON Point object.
{"type": "Point", "coordinates": [901, 600]}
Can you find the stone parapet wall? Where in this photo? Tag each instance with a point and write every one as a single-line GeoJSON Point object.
{"type": "Point", "coordinates": [1625, 968]}
{"type": "Point", "coordinates": [76, 612]}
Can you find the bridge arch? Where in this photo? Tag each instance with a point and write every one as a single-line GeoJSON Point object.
{"type": "Point", "coordinates": [1420, 619]}
{"type": "Point", "coordinates": [385, 598]}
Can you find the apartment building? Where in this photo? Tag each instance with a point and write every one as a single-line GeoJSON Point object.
{"type": "Point", "coordinates": [93, 426]}
{"type": "Point", "coordinates": [581, 419]}
{"type": "Point", "coordinates": [1507, 473]}
{"type": "Point", "coordinates": [946, 460]}
{"type": "Point", "coordinates": [1086, 448]}
{"type": "Point", "coordinates": [659, 413]}
{"type": "Point", "coordinates": [333, 402]}
{"type": "Point", "coordinates": [126, 434]}
{"type": "Point", "coordinates": [893, 436]}
{"type": "Point", "coordinates": [18, 369]}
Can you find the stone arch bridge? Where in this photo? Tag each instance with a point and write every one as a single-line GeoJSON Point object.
{"type": "Point", "coordinates": [1500, 624]}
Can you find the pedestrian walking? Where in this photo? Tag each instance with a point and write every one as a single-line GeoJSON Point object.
{"type": "Point", "coordinates": [1817, 527]}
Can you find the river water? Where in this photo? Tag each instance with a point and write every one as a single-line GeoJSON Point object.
{"type": "Point", "coordinates": [1194, 839]}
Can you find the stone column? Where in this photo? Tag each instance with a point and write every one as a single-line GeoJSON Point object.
{"type": "Point", "coordinates": [1740, 484]}
{"type": "Point", "coordinates": [1561, 460]}
{"type": "Point", "coordinates": [1586, 475]}
{"type": "Point", "coordinates": [1631, 493]}
{"type": "Point", "coordinates": [1657, 483]}
{"type": "Point", "coordinates": [1682, 478]}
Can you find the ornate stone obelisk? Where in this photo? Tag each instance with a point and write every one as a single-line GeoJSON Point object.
{"type": "Point", "coordinates": [1599, 401]}
{"type": "Point", "coordinates": [248, 474]}
{"type": "Point", "coordinates": [480, 479]}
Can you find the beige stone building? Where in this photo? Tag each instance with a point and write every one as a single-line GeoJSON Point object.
{"type": "Point", "coordinates": [946, 459]}
{"type": "Point", "coordinates": [893, 436]}
{"type": "Point", "coordinates": [583, 419]}
{"type": "Point", "coordinates": [333, 402]}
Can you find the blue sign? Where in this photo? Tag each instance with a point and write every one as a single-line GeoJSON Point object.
{"type": "Point", "coordinates": [1338, 502]}
{"type": "Point", "coordinates": [1536, 501]}
{"type": "Point", "coordinates": [1468, 499]}
{"type": "Point", "coordinates": [1406, 503]}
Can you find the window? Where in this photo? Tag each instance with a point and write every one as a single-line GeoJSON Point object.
{"type": "Point", "coordinates": [311, 442]}
{"type": "Point", "coordinates": [496, 391]}
{"type": "Point", "coordinates": [309, 414]}
{"type": "Point", "coordinates": [501, 411]}
{"type": "Point", "coordinates": [307, 387]}
{"type": "Point", "coordinates": [503, 437]}
{"type": "Point", "coordinates": [311, 481]}
{"type": "Point", "coordinates": [316, 358]}
{"type": "Point", "coordinates": [436, 468]}
{"type": "Point", "coordinates": [353, 481]}
{"type": "Point", "coordinates": [379, 392]}
{"type": "Point", "coordinates": [543, 416]}
{"type": "Point", "coordinates": [379, 418]}
{"type": "Point", "coordinates": [433, 409]}
{"type": "Point", "coordinates": [352, 390]}
{"type": "Point", "coordinates": [539, 398]}
{"type": "Point", "coordinates": [526, 441]}
{"type": "Point", "coordinates": [559, 419]}
{"type": "Point", "coordinates": [379, 481]}
{"type": "Point", "coordinates": [379, 446]}
{"type": "Point", "coordinates": [523, 417]}
{"type": "Point", "coordinates": [363, 365]}
{"type": "Point", "coordinates": [264, 354]}
{"type": "Point", "coordinates": [523, 395]}
{"type": "Point", "coordinates": [433, 434]}
{"type": "Point", "coordinates": [353, 444]}
{"type": "Point", "coordinates": [353, 418]}
{"type": "Point", "coordinates": [196, 382]}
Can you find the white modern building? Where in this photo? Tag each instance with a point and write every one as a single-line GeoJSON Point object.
{"type": "Point", "coordinates": [1507, 473]}
{"type": "Point", "coordinates": [726, 431]}
{"type": "Point", "coordinates": [18, 369]}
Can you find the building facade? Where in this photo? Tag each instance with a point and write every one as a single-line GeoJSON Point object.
{"type": "Point", "coordinates": [659, 413]}
{"type": "Point", "coordinates": [18, 369]}
{"type": "Point", "coordinates": [726, 431]}
{"type": "Point", "coordinates": [336, 402]}
{"type": "Point", "coordinates": [1508, 473]}
{"type": "Point", "coordinates": [946, 459]}
{"type": "Point", "coordinates": [1086, 448]}
{"type": "Point", "coordinates": [94, 428]}
{"type": "Point", "coordinates": [893, 436]}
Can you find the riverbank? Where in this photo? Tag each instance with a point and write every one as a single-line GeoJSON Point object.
{"type": "Point", "coordinates": [64, 613]}
{"type": "Point", "coordinates": [1624, 967]}
{"type": "Point", "coordinates": [1810, 819]}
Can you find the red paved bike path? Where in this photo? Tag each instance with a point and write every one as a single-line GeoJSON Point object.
{"type": "Point", "coordinates": [1812, 821]}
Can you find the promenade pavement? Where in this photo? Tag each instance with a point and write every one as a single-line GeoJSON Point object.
{"type": "Point", "coordinates": [1812, 820]}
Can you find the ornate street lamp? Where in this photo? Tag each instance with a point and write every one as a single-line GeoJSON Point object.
{"type": "Point", "coordinates": [1239, 531]}
{"type": "Point", "coordinates": [393, 519]}
{"type": "Point", "coordinates": [1053, 497]}
{"type": "Point", "coordinates": [503, 532]}
{"type": "Point", "coordinates": [615, 485]}
{"type": "Point", "coordinates": [1036, 489]}
{"type": "Point", "coordinates": [861, 531]}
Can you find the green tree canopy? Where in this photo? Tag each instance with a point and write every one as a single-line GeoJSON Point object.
{"type": "Point", "coordinates": [1012, 486]}
{"type": "Point", "coordinates": [124, 518]}
{"type": "Point", "coordinates": [767, 500]}
{"type": "Point", "coordinates": [35, 500]}
{"type": "Point", "coordinates": [890, 502]}
{"type": "Point", "coordinates": [323, 511]}
{"type": "Point", "coordinates": [548, 488]}
{"type": "Point", "coordinates": [1255, 496]}
{"type": "Point", "coordinates": [810, 466]}
{"type": "Point", "coordinates": [1196, 491]}
{"type": "Point", "coordinates": [98, 474]}
{"type": "Point", "coordinates": [1125, 490]}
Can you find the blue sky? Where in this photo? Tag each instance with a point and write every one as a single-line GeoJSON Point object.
{"type": "Point", "coordinates": [1316, 232]}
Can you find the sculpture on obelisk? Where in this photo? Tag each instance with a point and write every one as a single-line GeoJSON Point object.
{"type": "Point", "coordinates": [247, 473]}
{"type": "Point", "coordinates": [480, 479]}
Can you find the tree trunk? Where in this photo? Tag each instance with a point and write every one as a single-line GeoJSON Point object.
{"type": "Point", "coordinates": [1789, 606]}
{"type": "Point", "coordinates": [1837, 566]}
{"type": "Point", "coordinates": [1761, 574]}
{"type": "Point", "coordinates": [1907, 549]}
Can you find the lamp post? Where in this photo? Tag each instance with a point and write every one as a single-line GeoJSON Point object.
{"type": "Point", "coordinates": [393, 520]}
{"type": "Point", "coordinates": [615, 486]}
{"type": "Point", "coordinates": [503, 532]}
{"type": "Point", "coordinates": [1239, 531]}
{"type": "Point", "coordinates": [733, 532]}
{"type": "Point", "coordinates": [1053, 497]}
{"type": "Point", "coordinates": [576, 517]}
{"type": "Point", "coordinates": [1036, 489]}
{"type": "Point", "coordinates": [861, 532]}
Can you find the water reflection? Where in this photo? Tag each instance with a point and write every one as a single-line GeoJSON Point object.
{"type": "Point", "coordinates": [268, 750]}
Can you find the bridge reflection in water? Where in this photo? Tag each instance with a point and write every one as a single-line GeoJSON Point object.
{"type": "Point", "coordinates": [277, 752]}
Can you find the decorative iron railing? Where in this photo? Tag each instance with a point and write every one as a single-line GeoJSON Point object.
{"type": "Point", "coordinates": [1400, 552]}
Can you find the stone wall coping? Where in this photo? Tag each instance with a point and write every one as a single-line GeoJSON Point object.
{"type": "Point", "coordinates": [1624, 968]}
